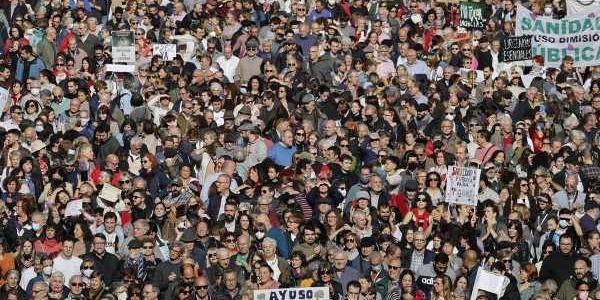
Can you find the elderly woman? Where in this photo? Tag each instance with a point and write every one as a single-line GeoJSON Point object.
{"type": "Point", "coordinates": [11, 286]}
{"type": "Point", "coordinates": [58, 290]}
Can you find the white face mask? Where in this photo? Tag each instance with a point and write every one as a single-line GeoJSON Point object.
{"type": "Point", "coordinates": [259, 235]}
{"type": "Point", "coordinates": [47, 271]}
{"type": "Point", "coordinates": [548, 11]}
{"type": "Point", "coordinates": [450, 117]}
{"type": "Point", "coordinates": [87, 272]}
{"type": "Point", "coordinates": [35, 91]}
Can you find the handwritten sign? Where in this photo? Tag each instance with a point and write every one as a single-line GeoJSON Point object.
{"type": "Point", "coordinates": [166, 51]}
{"type": "Point", "coordinates": [123, 48]}
{"type": "Point", "coordinates": [472, 15]}
{"type": "Point", "coordinates": [309, 293]}
{"type": "Point", "coordinates": [462, 186]}
{"type": "Point", "coordinates": [516, 48]}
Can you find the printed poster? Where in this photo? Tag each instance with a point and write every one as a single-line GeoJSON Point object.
{"type": "Point", "coordinates": [308, 293]}
{"type": "Point", "coordinates": [576, 35]}
{"type": "Point", "coordinates": [123, 47]}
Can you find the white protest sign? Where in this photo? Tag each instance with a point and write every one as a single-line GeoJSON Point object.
{"type": "Point", "coordinates": [166, 51]}
{"type": "Point", "coordinates": [576, 36]}
{"type": "Point", "coordinates": [575, 7]}
{"type": "Point", "coordinates": [462, 186]}
{"type": "Point", "coordinates": [122, 46]}
{"type": "Point", "coordinates": [308, 293]}
{"type": "Point", "coordinates": [120, 68]}
{"type": "Point", "coordinates": [74, 208]}
{"type": "Point", "coordinates": [489, 282]}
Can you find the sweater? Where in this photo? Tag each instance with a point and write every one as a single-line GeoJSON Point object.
{"type": "Point", "coordinates": [282, 154]}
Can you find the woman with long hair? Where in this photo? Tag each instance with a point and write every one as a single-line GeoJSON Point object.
{"type": "Point", "coordinates": [433, 187]}
{"type": "Point", "coordinates": [528, 281]}
{"type": "Point", "coordinates": [49, 243]}
{"type": "Point", "coordinates": [11, 286]}
{"type": "Point", "coordinates": [514, 230]}
{"type": "Point", "coordinates": [441, 288]}
{"type": "Point", "coordinates": [156, 180]}
{"type": "Point", "coordinates": [83, 237]}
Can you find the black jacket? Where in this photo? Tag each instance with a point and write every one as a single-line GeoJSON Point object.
{"type": "Point", "coordinates": [109, 265]}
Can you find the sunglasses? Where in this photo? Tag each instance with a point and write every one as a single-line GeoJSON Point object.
{"type": "Point", "coordinates": [79, 284]}
{"type": "Point", "coordinates": [251, 49]}
{"type": "Point", "coordinates": [201, 287]}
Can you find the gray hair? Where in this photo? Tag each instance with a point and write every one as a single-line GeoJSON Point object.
{"type": "Point", "coordinates": [270, 241]}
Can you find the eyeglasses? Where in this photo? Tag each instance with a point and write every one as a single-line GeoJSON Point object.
{"type": "Point", "coordinates": [212, 255]}
{"type": "Point", "coordinates": [150, 247]}
{"type": "Point", "coordinates": [230, 240]}
{"type": "Point", "coordinates": [325, 272]}
{"type": "Point", "coordinates": [350, 240]}
{"type": "Point", "coordinates": [18, 112]}
{"type": "Point", "coordinates": [251, 49]}
{"type": "Point", "coordinates": [124, 181]}
{"type": "Point", "coordinates": [269, 71]}
{"type": "Point", "coordinates": [466, 49]}
{"type": "Point", "coordinates": [344, 145]}
{"type": "Point", "coordinates": [201, 287]}
{"type": "Point", "coordinates": [392, 267]}
{"type": "Point", "coordinates": [77, 284]}
{"type": "Point", "coordinates": [300, 133]}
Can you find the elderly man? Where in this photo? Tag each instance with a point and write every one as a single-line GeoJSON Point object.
{"type": "Point", "coordinates": [342, 271]}
{"type": "Point", "coordinates": [415, 258]}
{"type": "Point", "coordinates": [283, 247]}
{"type": "Point", "coordinates": [279, 265]}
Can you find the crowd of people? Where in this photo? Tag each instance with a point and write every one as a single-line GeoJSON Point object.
{"type": "Point", "coordinates": [291, 144]}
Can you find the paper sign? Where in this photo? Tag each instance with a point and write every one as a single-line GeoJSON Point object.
{"type": "Point", "coordinates": [73, 208]}
{"type": "Point", "coordinates": [123, 48]}
{"type": "Point", "coordinates": [309, 293]}
{"type": "Point", "coordinates": [489, 282]}
{"type": "Point", "coordinates": [166, 51]}
{"type": "Point", "coordinates": [120, 68]}
{"type": "Point", "coordinates": [110, 193]}
{"type": "Point", "coordinates": [462, 186]}
{"type": "Point", "coordinates": [515, 48]}
{"type": "Point", "coordinates": [472, 15]}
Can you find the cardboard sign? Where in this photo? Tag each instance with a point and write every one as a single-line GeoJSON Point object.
{"type": "Point", "coordinates": [122, 46]}
{"type": "Point", "coordinates": [462, 186]}
{"type": "Point", "coordinates": [309, 293]}
{"type": "Point", "coordinates": [516, 48]}
{"type": "Point", "coordinates": [472, 15]}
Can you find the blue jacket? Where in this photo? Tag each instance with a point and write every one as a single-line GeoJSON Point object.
{"type": "Point", "coordinates": [37, 65]}
{"type": "Point", "coordinates": [282, 155]}
{"type": "Point", "coordinates": [283, 248]}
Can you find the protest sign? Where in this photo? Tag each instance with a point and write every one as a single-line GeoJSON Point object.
{"type": "Point", "coordinates": [462, 186]}
{"type": "Point", "coordinates": [166, 51]}
{"type": "Point", "coordinates": [472, 15]}
{"type": "Point", "coordinates": [489, 282]}
{"type": "Point", "coordinates": [123, 48]}
{"type": "Point", "coordinates": [575, 7]}
{"type": "Point", "coordinates": [516, 48]}
{"type": "Point", "coordinates": [576, 36]}
{"type": "Point", "coordinates": [309, 293]}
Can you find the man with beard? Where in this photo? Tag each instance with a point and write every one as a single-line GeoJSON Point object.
{"type": "Point", "coordinates": [228, 218]}
{"type": "Point", "coordinates": [439, 266]}
{"type": "Point", "coordinates": [168, 272]}
{"type": "Point", "coordinates": [104, 143]}
{"type": "Point", "coordinates": [309, 245]}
